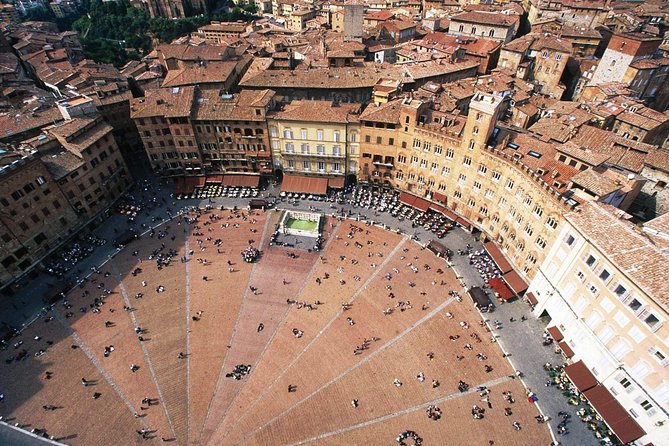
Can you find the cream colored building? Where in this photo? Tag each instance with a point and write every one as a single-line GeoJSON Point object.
{"type": "Point", "coordinates": [315, 138]}
{"type": "Point", "coordinates": [511, 191]}
{"type": "Point", "coordinates": [604, 286]}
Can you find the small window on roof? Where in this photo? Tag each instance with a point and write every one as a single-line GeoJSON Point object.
{"type": "Point", "coordinates": [512, 146]}
{"type": "Point", "coordinates": [534, 154]}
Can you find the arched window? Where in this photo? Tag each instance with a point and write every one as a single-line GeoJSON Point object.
{"type": "Point", "coordinates": [491, 33]}
{"type": "Point", "coordinates": [473, 30]}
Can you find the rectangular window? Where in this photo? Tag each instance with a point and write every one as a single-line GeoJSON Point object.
{"type": "Point", "coordinates": [305, 165]}
{"type": "Point", "coordinates": [482, 169]}
{"type": "Point", "coordinates": [303, 133]}
{"type": "Point", "coordinates": [438, 149]}
{"type": "Point", "coordinates": [509, 184]}
{"type": "Point", "coordinates": [319, 135]}
{"type": "Point", "coordinates": [477, 186]}
{"type": "Point", "coordinates": [461, 179]}
{"type": "Point", "coordinates": [321, 166]}
{"type": "Point", "coordinates": [590, 261]}
{"type": "Point", "coordinates": [467, 161]}
{"type": "Point", "coordinates": [450, 153]}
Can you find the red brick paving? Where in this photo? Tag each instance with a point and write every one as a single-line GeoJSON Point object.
{"type": "Point", "coordinates": [285, 347]}
{"type": "Point", "coordinates": [268, 307]}
{"type": "Point", "coordinates": [79, 418]}
{"type": "Point", "coordinates": [327, 374]}
{"type": "Point", "coordinates": [455, 427]}
{"type": "Point", "coordinates": [127, 349]}
{"type": "Point", "coordinates": [220, 299]}
{"type": "Point", "coordinates": [164, 316]}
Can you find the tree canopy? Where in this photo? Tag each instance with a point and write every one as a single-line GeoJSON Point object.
{"type": "Point", "coordinates": [114, 32]}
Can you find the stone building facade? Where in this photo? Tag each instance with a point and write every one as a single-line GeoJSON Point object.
{"type": "Point", "coordinates": [316, 138]}
{"type": "Point", "coordinates": [508, 185]}
{"type": "Point", "coordinates": [612, 314]}
{"type": "Point", "coordinates": [36, 216]}
{"type": "Point", "coordinates": [623, 49]}
{"type": "Point", "coordinates": [188, 131]}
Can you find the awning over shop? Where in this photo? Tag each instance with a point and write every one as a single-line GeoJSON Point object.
{"type": "Point", "coordinates": [437, 208]}
{"type": "Point", "coordinates": [532, 298]}
{"type": "Point", "coordinates": [336, 183]}
{"type": "Point", "coordinates": [421, 204]}
{"type": "Point", "coordinates": [241, 180]}
{"type": "Point", "coordinates": [566, 350]}
{"type": "Point", "coordinates": [501, 288]}
{"type": "Point", "coordinates": [614, 414]}
{"type": "Point", "coordinates": [407, 199]}
{"type": "Point", "coordinates": [436, 196]}
{"type": "Point", "coordinates": [449, 214]}
{"type": "Point", "coordinates": [497, 256]}
{"type": "Point", "coordinates": [305, 185]}
{"type": "Point", "coordinates": [216, 179]}
{"type": "Point", "coordinates": [555, 333]}
{"type": "Point", "coordinates": [464, 223]}
{"type": "Point", "coordinates": [186, 185]}
{"type": "Point", "coordinates": [515, 282]}
{"type": "Point", "coordinates": [579, 374]}
{"type": "Point", "coordinates": [416, 202]}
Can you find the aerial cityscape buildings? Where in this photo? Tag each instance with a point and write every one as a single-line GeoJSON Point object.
{"type": "Point", "coordinates": [540, 127]}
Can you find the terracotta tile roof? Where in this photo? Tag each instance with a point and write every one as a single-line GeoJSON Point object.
{"type": "Point", "coordinates": [538, 42]}
{"type": "Point", "coordinates": [634, 255]}
{"type": "Point", "coordinates": [658, 160]}
{"type": "Point", "coordinates": [472, 45]}
{"type": "Point", "coordinates": [209, 105]}
{"type": "Point", "coordinates": [224, 27]}
{"type": "Point", "coordinates": [658, 230]}
{"type": "Point", "coordinates": [80, 133]}
{"type": "Point", "coordinates": [583, 154]}
{"type": "Point", "coordinates": [168, 102]}
{"type": "Point", "coordinates": [486, 18]}
{"type": "Point", "coordinates": [644, 117]}
{"type": "Point", "coordinates": [24, 120]}
{"type": "Point", "coordinates": [595, 182]}
{"type": "Point", "coordinates": [388, 112]}
{"type": "Point", "coordinates": [543, 156]}
{"type": "Point", "coordinates": [620, 151]}
{"type": "Point", "coordinates": [318, 111]}
{"type": "Point", "coordinates": [553, 128]}
{"type": "Point", "coordinates": [329, 78]}
{"type": "Point", "coordinates": [383, 14]}
{"type": "Point", "coordinates": [212, 72]}
{"type": "Point", "coordinates": [61, 163]}
{"type": "Point", "coordinates": [579, 31]}
{"type": "Point", "coordinates": [398, 25]}
{"type": "Point", "coordinates": [192, 53]}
